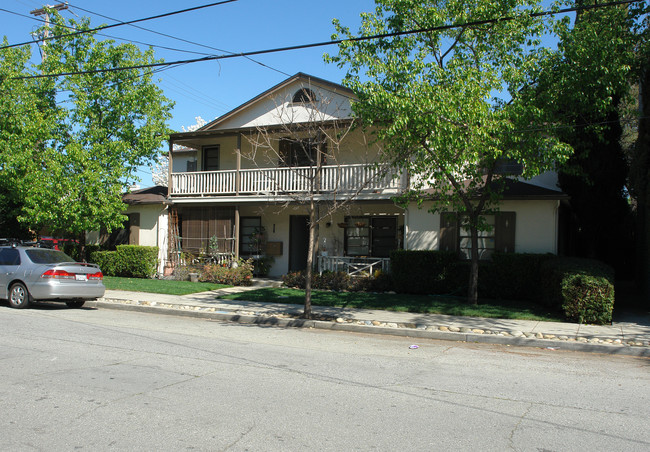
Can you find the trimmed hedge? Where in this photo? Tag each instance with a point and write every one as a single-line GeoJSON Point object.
{"type": "Point", "coordinates": [582, 288]}
{"type": "Point", "coordinates": [424, 272]}
{"type": "Point", "coordinates": [512, 276]}
{"type": "Point", "coordinates": [128, 260]}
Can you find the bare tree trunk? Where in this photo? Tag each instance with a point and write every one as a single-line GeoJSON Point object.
{"type": "Point", "coordinates": [81, 247]}
{"type": "Point", "coordinates": [313, 238]}
{"type": "Point", "coordinates": [472, 289]}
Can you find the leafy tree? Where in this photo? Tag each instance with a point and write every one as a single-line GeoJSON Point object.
{"type": "Point", "coordinates": [23, 125]}
{"type": "Point", "coordinates": [584, 86]}
{"type": "Point", "coordinates": [640, 165]}
{"type": "Point", "coordinates": [446, 102]}
{"type": "Point", "coordinates": [110, 121]}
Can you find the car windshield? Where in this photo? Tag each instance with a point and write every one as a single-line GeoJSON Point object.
{"type": "Point", "coordinates": [44, 256]}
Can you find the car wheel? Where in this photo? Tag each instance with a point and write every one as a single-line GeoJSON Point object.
{"type": "Point", "coordinates": [75, 304]}
{"type": "Point", "coordinates": [18, 296]}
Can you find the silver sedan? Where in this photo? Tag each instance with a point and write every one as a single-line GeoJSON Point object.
{"type": "Point", "coordinates": [39, 274]}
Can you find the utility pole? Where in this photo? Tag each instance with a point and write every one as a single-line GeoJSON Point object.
{"type": "Point", "coordinates": [44, 12]}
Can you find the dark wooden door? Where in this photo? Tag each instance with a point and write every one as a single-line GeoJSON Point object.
{"type": "Point", "coordinates": [384, 236]}
{"type": "Point", "coordinates": [298, 242]}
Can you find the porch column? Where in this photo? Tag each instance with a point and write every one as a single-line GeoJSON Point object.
{"type": "Point", "coordinates": [169, 169]}
{"type": "Point", "coordinates": [238, 173]}
{"type": "Point", "coordinates": [237, 232]}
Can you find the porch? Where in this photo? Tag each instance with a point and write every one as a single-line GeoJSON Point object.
{"type": "Point", "coordinates": [273, 181]}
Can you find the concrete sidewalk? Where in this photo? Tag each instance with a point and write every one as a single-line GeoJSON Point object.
{"type": "Point", "coordinates": [629, 335]}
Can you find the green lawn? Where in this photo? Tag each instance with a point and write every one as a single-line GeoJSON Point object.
{"type": "Point", "coordinates": [159, 285]}
{"type": "Point", "coordinates": [431, 304]}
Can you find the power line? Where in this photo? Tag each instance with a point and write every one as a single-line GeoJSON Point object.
{"type": "Point", "coordinates": [104, 27]}
{"type": "Point", "coordinates": [182, 40]}
{"type": "Point", "coordinates": [339, 41]}
{"type": "Point", "coordinates": [109, 36]}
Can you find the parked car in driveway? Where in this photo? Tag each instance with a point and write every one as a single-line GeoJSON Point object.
{"type": "Point", "coordinates": [39, 274]}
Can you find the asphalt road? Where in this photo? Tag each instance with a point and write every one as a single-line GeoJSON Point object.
{"type": "Point", "coordinates": [113, 380]}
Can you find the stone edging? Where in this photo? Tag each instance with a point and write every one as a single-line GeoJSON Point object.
{"type": "Point", "coordinates": [550, 341]}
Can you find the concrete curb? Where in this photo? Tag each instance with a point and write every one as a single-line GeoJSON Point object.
{"type": "Point", "coordinates": [270, 320]}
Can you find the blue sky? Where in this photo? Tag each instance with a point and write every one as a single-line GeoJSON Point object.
{"type": "Point", "coordinates": [209, 89]}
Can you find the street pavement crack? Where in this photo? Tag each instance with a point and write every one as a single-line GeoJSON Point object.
{"type": "Point", "coordinates": [516, 426]}
{"type": "Point", "coordinates": [241, 436]}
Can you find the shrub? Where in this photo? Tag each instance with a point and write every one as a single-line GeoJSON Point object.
{"type": "Point", "coordinates": [128, 260]}
{"type": "Point", "coordinates": [340, 281]}
{"type": "Point", "coordinates": [512, 276]}
{"type": "Point", "coordinates": [108, 262]}
{"type": "Point", "coordinates": [422, 271]}
{"type": "Point", "coordinates": [331, 281]}
{"type": "Point", "coordinates": [138, 261]}
{"type": "Point", "coordinates": [588, 299]}
{"type": "Point", "coordinates": [582, 288]}
{"type": "Point", "coordinates": [294, 279]}
{"type": "Point", "coordinates": [234, 275]}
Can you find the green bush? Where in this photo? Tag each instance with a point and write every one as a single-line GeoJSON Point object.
{"type": "Point", "coordinates": [512, 276]}
{"type": "Point", "coordinates": [424, 272]}
{"type": "Point", "coordinates": [128, 260]}
{"type": "Point", "coordinates": [582, 288]}
{"type": "Point", "coordinates": [138, 261]}
{"type": "Point", "coordinates": [108, 262]}
{"type": "Point", "coordinates": [239, 275]}
{"type": "Point", "coordinates": [588, 299]}
{"type": "Point", "coordinates": [294, 279]}
{"type": "Point", "coordinates": [331, 281]}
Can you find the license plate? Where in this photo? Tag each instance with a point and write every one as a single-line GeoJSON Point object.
{"type": "Point", "coordinates": [81, 277]}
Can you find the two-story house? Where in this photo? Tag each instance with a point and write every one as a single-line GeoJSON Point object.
{"type": "Point", "coordinates": [241, 185]}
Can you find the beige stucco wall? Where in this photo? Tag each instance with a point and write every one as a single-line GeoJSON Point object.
{"type": "Point", "coordinates": [536, 226]}
{"type": "Point", "coordinates": [278, 109]}
{"type": "Point", "coordinates": [180, 159]}
{"type": "Point", "coordinates": [153, 228]}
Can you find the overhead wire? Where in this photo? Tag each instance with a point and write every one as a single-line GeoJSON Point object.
{"type": "Point", "coordinates": [180, 39]}
{"type": "Point", "coordinates": [107, 36]}
{"type": "Point", "coordinates": [340, 41]}
{"type": "Point", "coordinates": [129, 22]}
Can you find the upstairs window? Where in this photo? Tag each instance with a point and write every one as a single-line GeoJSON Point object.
{"type": "Point", "coordinates": [301, 152]}
{"type": "Point", "coordinates": [304, 95]}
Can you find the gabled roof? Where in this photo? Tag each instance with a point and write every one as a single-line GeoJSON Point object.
{"type": "Point", "coordinates": [151, 195]}
{"type": "Point", "coordinates": [310, 79]}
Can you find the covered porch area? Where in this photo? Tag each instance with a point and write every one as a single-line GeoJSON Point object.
{"type": "Point", "coordinates": [356, 240]}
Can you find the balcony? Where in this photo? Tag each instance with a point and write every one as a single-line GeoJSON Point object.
{"type": "Point", "coordinates": [279, 181]}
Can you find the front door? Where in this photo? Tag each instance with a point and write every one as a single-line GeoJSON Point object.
{"type": "Point", "coordinates": [384, 236]}
{"type": "Point", "coordinates": [298, 242]}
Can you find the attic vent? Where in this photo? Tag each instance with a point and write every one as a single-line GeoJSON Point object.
{"type": "Point", "coordinates": [304, 95]}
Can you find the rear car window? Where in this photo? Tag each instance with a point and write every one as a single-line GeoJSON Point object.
{"type": "Point", "coordinates": [43, 256]}
{"type": "Point", "coordinates": [9, 256]}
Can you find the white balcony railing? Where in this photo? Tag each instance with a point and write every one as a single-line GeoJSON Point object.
{"type": "Point", "coordinates": [344, 178]}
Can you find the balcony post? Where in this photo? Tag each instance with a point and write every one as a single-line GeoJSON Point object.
{"type": "Point", "coordinates": [237, 232]}
{"type": "Point", "coordinates": [238, 173]}
{"type": "Point", "coordinates": [169, 169]}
